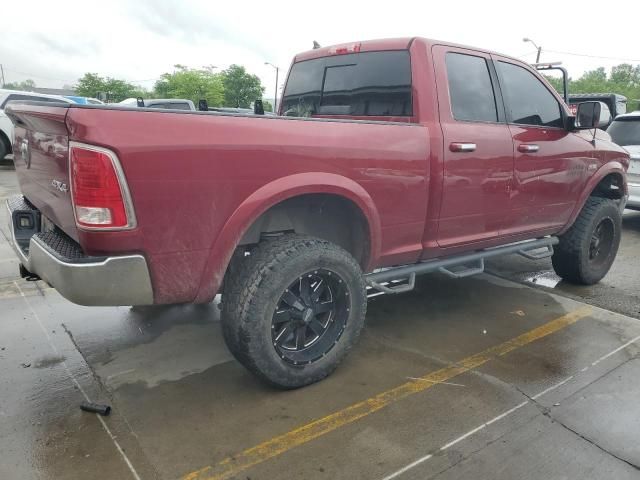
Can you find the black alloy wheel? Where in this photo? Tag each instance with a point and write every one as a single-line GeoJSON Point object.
{"type": "Point", "coordinates": [310, 317]}
{"type": "Point", "coordinates": [601, 241]}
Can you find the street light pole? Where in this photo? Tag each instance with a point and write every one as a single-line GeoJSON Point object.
{"type": "Point", "coordinates": [537, 48]}
{"type": "Point", "coordinates": [275, 97]}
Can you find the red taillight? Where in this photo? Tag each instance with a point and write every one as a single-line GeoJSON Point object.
{"type": "Point", "coordinates": [97, 192]}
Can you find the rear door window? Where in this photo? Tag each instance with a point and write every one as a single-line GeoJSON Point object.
{"type": "Point", "coordinates": [358, 84]}
{"type": "Point", "coordinates": [527, 100]}
{"type": "Point", "coordinates": [470, 88]}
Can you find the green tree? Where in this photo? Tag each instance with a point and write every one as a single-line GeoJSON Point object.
{"type": "Point", "coordinates": [26, 85]}
{"type": "Point", "coordinates": [192, 84]}
{"type": "Point", "coordinates": [92, 84]}
{"type": "Point", "coordinates": [267, 106]}
{"type": "Point", "coordinates": [624, 79]}
{"type": "Point", "coordinates": [593, 81]}
{"type": "Point", "coordinates": [241, 88]}
{"type": "Point", "coordinates": [555, 82]}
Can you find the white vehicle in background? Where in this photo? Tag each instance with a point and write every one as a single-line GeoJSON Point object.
{"type": "Point", "coordinates": [84, 100]}
{"type": "Point", "coordinates": [625, 131]}
{"type": "Point", "coordinates": [6, 127]}
{"type": "Point", "coordinates": [165, 103]}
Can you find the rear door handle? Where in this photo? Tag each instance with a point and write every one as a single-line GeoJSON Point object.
{"type": "Point", "coordinates": [462, 147]}
{"type": "Point", "coordinates": [528, 148]}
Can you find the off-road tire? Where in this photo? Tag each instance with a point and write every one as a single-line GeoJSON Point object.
{"type": "Point", "coordinates": [571, 259]}
{"type": "Point", "coordinates": [254, 286]}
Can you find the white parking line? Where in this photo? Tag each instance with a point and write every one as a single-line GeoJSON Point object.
{"type": "Point", "coordinates": [133, 471]}
{"type": "Point", "coordinates": [622, 347]}
{"type": "Point", "coordinates": [553, 387]}
{"type": "Point", "coordinates": [505, 414]}
{"type": "Point", "coordinates": [408, 467]}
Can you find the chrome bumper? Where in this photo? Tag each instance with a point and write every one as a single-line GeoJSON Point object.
{"type": "Point", "coordinates": [106, 281]}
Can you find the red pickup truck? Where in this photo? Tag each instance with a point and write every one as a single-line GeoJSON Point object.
{"type": "Point", "coordinates": [388, 159]}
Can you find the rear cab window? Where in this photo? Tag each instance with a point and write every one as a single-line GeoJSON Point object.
{"type": "Point", "coordinates": [357, 84]}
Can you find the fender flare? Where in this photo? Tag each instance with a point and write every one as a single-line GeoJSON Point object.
{"type": "Point", "coordinates": [592, 183]}
{"type": "Point", "coordinates": [266, 197]}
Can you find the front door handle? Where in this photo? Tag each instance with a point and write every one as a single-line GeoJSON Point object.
{"type": "Point", "coordinates": [528, 148]}
{"type": "Point", "coordinates": [462, 147]}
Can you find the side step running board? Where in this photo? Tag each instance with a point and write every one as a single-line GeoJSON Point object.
{"type": "Point", "coordinates": [458, 266]}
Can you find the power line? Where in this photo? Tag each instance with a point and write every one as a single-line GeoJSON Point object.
{"type": "Point", "coordinates": [36, 76]}
{"type": "Point", "coordinates": [593, 56]}
{"type": "Point", "coordinates": [528, 53]}
{"type": "Point", "coordinates": [33, 75]}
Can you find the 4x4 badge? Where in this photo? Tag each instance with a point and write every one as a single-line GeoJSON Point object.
{"type": "Point", "coordinates": [58, 185]}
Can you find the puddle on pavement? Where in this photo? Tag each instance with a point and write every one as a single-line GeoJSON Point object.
{"type": "Point", "coordinates": [48, 361]}
{"type": "Point", "coordinates": [546, 279]}
{"type": "Point", "coordinates": [176, 353]}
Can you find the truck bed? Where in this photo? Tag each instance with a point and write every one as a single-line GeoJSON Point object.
{"type": "Point", "coordinates": [199, 172]}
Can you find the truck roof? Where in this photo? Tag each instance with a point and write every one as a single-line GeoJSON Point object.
{"type": "Point", "coordinates": [402, 43]}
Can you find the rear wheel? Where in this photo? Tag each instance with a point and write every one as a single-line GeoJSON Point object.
{"type": "Point", "coordinates": [292, 309]}
{"type": "Point", "coordinates": [587, 250]}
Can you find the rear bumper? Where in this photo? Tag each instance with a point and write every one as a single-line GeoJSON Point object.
{"type": "Point", "coordinates": [634, 196]}
{"type": "Point", "coordinates": [85, 280]}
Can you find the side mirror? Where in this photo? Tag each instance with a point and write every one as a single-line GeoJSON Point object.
{"type": "Point", "coordinates": [203, 106]}
{"type": "Point", "coordinates": [592, 115]}
{"type": "Point", "coordinates": [258, 107]}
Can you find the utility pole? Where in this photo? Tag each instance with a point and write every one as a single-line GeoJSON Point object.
{"type": "Point", "coordinates": [2, 70]}
{"type": "Point", "coordinates": [275, 97]}
{"type": "Point", "coordinates": [539, 49]}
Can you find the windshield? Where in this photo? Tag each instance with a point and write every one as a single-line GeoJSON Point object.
{"type": "Point", "coordinates": [625, 132]}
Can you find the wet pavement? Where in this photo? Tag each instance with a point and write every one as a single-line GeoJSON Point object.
{"type": "Point", "coordinates": [476, 378]}
{"type": "Point", "coordinates": [618, 291]}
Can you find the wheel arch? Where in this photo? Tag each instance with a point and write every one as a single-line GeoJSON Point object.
{"type": "Point", "coordinates": [609, 182]}
{"type": "Point", "coordinates": [275, 193]}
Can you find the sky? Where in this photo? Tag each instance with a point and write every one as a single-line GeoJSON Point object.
{"type": "Point", "coordinates": [55, 43]}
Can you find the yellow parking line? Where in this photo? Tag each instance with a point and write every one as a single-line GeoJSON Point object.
{"type": "Point", "coordinates": [237, 463]}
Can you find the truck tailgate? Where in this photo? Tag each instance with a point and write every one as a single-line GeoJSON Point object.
{"type": "Point", "coordinates": [41, 157]}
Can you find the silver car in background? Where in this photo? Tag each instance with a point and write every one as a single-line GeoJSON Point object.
{"type": "Point", "coordinates": [625, 131]}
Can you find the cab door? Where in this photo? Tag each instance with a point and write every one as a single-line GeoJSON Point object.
{"type": "Point", "coordinates": [551, 163]}
{"type": "Point", "coordinates": [478, 148]}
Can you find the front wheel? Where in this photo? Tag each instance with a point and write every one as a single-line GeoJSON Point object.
{"type": "Point", "coordinates": [587, 250]}
{"type": "Point", "coordinates": [293, 308]}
